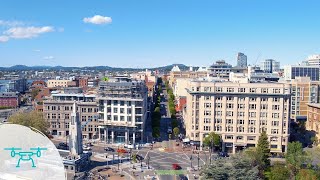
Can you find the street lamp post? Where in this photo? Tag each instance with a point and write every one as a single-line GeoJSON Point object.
{"type": "Point", "coordinates": [198, 159]}
{"type": "Point", "coordinates": [191, 161]}
{"type": "Point", "coordinates": [118, 159]}
{"type": "Point", "coordinates": [148, 160]}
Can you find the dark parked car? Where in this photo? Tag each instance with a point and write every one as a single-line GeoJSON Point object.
{"type": "Point", "coordinates": [139, 158]}
{"type": "Point", "coordinates": [109, 149]}
{"type": "Point", "coordinates": [63, 146]}
{"type": "Point", "coordinates": [223, 154]}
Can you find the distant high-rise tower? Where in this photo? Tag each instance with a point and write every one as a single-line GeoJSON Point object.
{"type": "Point", "coordinates": [270, 65]}
{"type": "Point", "coordinates": [75, 137]}
{"type": "Point", "coordinates": [241, 60]}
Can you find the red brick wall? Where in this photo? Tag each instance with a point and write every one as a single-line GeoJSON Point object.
{"type": "Point", "coordinates": [9, 102]}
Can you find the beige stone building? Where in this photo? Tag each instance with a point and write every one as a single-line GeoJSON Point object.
{"type": "Point", "coordinates": [303, 91]}
{"type": "Point", "coordinates": [238, 112]}
{"type": "Point", "coordinates": [58, 83]}
{"type": "Point", "coordinates": [313, 122]}
{"type": "Point", "coordinates": [57, 111]}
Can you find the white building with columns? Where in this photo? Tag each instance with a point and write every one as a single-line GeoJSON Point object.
{"type": "Point", "coordinates": [123, 109]}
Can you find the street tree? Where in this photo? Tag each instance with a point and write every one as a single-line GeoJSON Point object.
{"type": "Point", "coordinates": [176, 131]}
{"type": "Point", "coordinates": [295, 156]}
{"type": "Point", "coordinates": [237, 167]}
{"type": "Point", "coordinates": [31, 119]}
{"type": "Point", "coordinates": [263, 152]}
{"type": "Point", "coordinates": [212, 140]}
{"type": "Point", "coordinates": [278, 172]}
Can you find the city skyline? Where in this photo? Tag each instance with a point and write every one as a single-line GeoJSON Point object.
{"type": "Point", "coordinates": [154, 34]}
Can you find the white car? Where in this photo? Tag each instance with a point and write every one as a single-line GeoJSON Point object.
{"type": "Point", "coordinates": [87, 148]}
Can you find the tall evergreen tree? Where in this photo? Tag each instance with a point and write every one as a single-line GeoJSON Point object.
{"type": "Point", "coordinates": [263, 152]}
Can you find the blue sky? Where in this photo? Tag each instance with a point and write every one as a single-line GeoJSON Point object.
{"type": "Point", "coordinates": [149, 33]}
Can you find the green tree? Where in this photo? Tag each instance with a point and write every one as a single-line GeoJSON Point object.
{"type": "Point", "coordinates": [176, 131]}
{"type": "Point", "coordinates": [278, 172]}
{"type": "Point", "coordinates": [263, 152]}
{"type": "Point", "coordinates": [238, 167]}
{"type": "Point", "coordinates": [295, 156]}
{"type": "Point", "coordinates": [34, 93]}
{"type": "Point", "coordinates": [32, 119]}
{"type": "Point", "coordinates": [212, 140]}
{"type": "Point", "coordinates": [307, 174]}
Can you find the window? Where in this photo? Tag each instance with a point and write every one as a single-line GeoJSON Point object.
{"type": "Point", "coordinates": [229, 98]}
{"type": "Point", "coordinates": [241, 106]}
{"type": "Point", "coordinates": [207, 105]}
{"type": "Point", "coordinates": [263, 99]}
{"type": "Point", "coordinates": [207, 113]}
{"type": "Point", "coordinates": [218, 89]}
{"type": "Point", "coordinates": [229, 105]}
{"type": "Point", "coordinates": [115, 102]}
{"type": "Point", "coordinates": [219, 113]}
{"type": "Point", "coordinates": [263, 114]}
{"type": "Point", "coordinates": [276, 91]}
{"type": "Point", "coordinates": [263, 122]}
{"type": "Point", "coordinates": [206, 89]}
{"type": "Point", "coordinates": [252, 122]}
{"type": "Point", "coordinates": [275, 123]}
{"type": "Point", "coordinates": [217, 120]}
{"type": "Point", "coordinates": [206, 98]}
{"type": "Point", "coordinates": [218, 128]}
{"type": "Point", "coordinates": [240, 114]}
{"type": "Point", "coordinates": [54, 116]}
{"type": "Point", "coordinates": [121, 118]}
{"type": "Point", "coordinates": [251, 138]}
{"type": "Point", "coordinates": [115, 117]}
{"type": "Point", "coordinates": [207, 120]}
{"type": "Point", "coordinates": [241, 99]}
{"type": "Point", "coordinates": [206, 128]}
{"type": "Point", "coordinates": [241, 89]}
{"type": "Point", "coordinates": [230, 89]}
{"type": "Point", "coordinates": [89, 109]}
{"type": "Point", "coordinates": [252, 130]}
{"type": "Point", "coordinates": [229, 121]}
{"type": "Point", "coordinates": [129, 111]}
{"type": "Point", "coordinates": [229, 113]}
{"type": "Point", "coordinates": [122, 103]}
{"type": "Point", "coordinates": [276, 99]}
{"type": "Point", "coordinates": [229, 128]}
{"type": "Point", "coordinates": [252, 106]}
{"type": "Point", "coordinates": [274, 131]}
{"type": "Point", "coordinates": [264, 106]}
{"type": "Point", "coordinates": [239, 137]}
{"type": "Point", "coordinates": [129, 118]}
{"type": "Point", "coordinates": [218, 105]}
{"type": "Point", "coordinates": [264, 90]}
{"type": "Point", "coordinates": [219, 98]}
{"type": "Point", "coordinates": [240, 121]}
{"type": "Point", "coordinates": [115, 110]}
{"type": "Point", "coordinates": [275, 115]}
{"type": "Point", "coordinates": [253, 90]}
{"type": "Point", "coordinates": [253, 99]}
{"type": "Point", "coordinates": [122, 110]}
{"type": "Point", "coordinates": [240, 129]}
{"type": "Point", "coordinates": [275, 107]}
{"type": "Point", "coordinates": [228, 137]}
{"type": "Point", "coordinates": [252, 114]}
{"type": "Point", "coordinates": [66, 116]}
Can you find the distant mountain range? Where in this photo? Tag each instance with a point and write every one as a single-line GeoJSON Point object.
{"type": "Point", "coordinates": [98, 68]}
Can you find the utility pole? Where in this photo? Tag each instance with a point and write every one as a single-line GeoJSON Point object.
{"type": "Point", "coordinates": [118, 159]}
{"type": "Point", "coordinates": [148, 160]}
{"type": "Point", "coordinates": [198, 160]}
{"type": "Point", "coordinates": [191, 161]}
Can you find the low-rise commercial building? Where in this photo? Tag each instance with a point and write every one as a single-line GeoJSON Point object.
{"type": "Point", "coordinates": [57, 111]}
{"type": "Point", "coordinates": [9, 99]}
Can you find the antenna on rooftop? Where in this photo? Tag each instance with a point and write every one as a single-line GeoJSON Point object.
{"type": "Point", "coordinates": [259, 55]}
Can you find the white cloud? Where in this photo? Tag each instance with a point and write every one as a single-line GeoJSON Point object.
{"type": "Point", "coordinates": [11, 23]}
{"type": "Point", "coordinates": [27, 32]}
{"type": "Point", "coordinates": [97, 19]}
{"type": "Point", "coordinates": [48, 57]}
{"type": "Point", "coordinates": [4, 38]}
